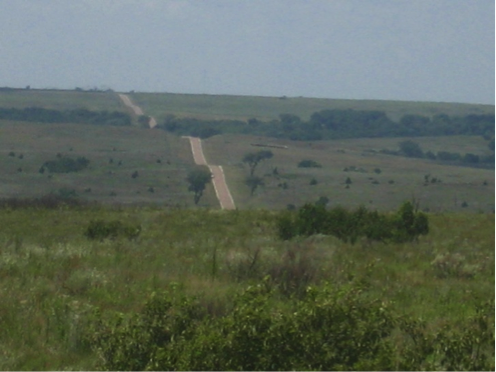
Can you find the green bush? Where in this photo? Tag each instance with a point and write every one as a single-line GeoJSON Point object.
{"type": "Point", "coordinates": [406, 225]}
{"type": "Point", "coordinates": [65, 164]}
{"type": "Point", "coordinates": [329, 328]}
{"type": "Point", "coordinates": [100, 230]}
{"type": "Point", "coordinates": [309, 164]}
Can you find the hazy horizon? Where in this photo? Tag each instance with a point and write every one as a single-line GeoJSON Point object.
{"type": "Point", "coordinates": [426, 51]}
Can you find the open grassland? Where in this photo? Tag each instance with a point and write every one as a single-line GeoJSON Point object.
{"type": "Point", "coordinates": [54, 280]}
{"type": "Point", "coordinates": [60, 100]}
{"type": "Point", "coordinates": [162, 162]}
{"type": "Point", "coordinates": [378, 181]}
{"type": "Point", "coordinates": [205, 106]}
{"type": "Point", "coordinates": [114, 153]}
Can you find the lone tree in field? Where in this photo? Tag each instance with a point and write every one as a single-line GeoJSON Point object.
{"type": "Point", "coordinates": [198, 179]}
{"type": "Point", "coordinates": [253, 158]}
{"type": "Point", "coordinates": [253, 182]}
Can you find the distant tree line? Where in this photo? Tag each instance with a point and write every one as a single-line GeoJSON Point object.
{"type": "Point", "coordinates": [412, 149]}
{"type": "Point", "coordinates": [335, 124]}
{"type": "Point", "coordinates": [78, 116]}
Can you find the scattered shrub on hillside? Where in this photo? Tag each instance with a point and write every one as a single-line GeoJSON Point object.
{"type": "Point", "coordinates": [313, 182]}
{"type": "Point", "coordinates": [411, 149]}
{"type": "Point", "coordinates": [65, 164]}
{"type": "Point", "coordinates": [100, 230]}
{"type": "Point", "coordinates": [309, 164]}
{"type": "Point", "coordinates": [12, 154]}
{"type": "Point", "coordinates": [430, 155]}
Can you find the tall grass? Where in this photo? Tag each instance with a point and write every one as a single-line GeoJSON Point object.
{"type": "Point", "coordinates": [54, 280]}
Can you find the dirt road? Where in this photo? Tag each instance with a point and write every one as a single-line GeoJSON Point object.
{"type": "Point", "coordinates": [136, 109]}
{"type": "Point", "coordinates": [219, 180]}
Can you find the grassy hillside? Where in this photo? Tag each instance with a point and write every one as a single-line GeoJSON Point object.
{"type": "Point", "coordinates": [378, 180]}
{"type": "Point", "coordinates": [162, 160]}
{"type": "Point", "coordinates": [115, 153]}
{"type": "Point", "coordinates": [57, 285]}
{"type": "Point", "coordinates": [266, 108]}
{"type": "Point", "coordinates": [60, 99]}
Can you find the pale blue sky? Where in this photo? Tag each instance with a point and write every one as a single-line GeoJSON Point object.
{"type": "Point", "coordinates": [421, 50]}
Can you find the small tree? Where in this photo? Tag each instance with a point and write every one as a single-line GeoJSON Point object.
{"type": "Point", "coordinates": [253, 158]}
{"type": "Point", "coordinates": [198, 179]}
{"type": "Point", "coordinates": [253, 182]}
{"type": "Point", "coordinates": [411, 149]}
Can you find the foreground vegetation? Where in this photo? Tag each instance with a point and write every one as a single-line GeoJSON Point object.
{"type": "Point", "coordinates": [93, 287]}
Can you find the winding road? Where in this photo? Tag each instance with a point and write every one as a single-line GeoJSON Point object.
{"type": "Point", "coordinates": [218, 179]}
{"type": "Point", "coordinates": [136, 109]}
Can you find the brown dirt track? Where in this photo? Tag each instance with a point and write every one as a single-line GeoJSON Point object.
{"type": "Point", "coordinates": [219, 181]}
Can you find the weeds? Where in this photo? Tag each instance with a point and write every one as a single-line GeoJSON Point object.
{"type": "Point", "coordinates": [63, 291]}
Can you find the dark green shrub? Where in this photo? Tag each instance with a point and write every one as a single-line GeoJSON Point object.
{"type": "Point", "coordinates": [328, 328]}
{"type": "Point", "coordinates": [285, 224]}
{"type": "Point", "coordinates": [65, 164]}
{"type": "Point", "coordinates": [411, 149]}
{"type": "Point", "coordinates": [309, 164]}
{"type": "Point", "coordinates": [406, 225]}
{"type": "Point", "coordinates": [100, 230]}
{"type": "Point", "coordinates": [448, 156]}
{"type": "Point", "coordinates": [323, 200]}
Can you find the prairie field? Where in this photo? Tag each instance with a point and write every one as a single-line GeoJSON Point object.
{"type": "Point", "coordinates": [136, 276]}
{"type": "Point", "coordinates": [60, 100]}
{"type": "Point", "coordinates": [54, 278]}
{"type": "Point", "coordinates": [377, 180]}
{"type": "Point", "coordinates": [216, 107]}
{"type": "Point", "coordinates": [162, 163]}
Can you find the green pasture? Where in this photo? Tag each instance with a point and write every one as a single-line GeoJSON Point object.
{"type": "Point", "coordinates": [56, 282]}
{"type": "Point", "coordinates": [377, 180]}
{"type": "Point", "coordinates": [60, 99]}
{"type": "Point", "coordinates": [267, 108]}
{"type": "Point", "coordinates": [115, 153]}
